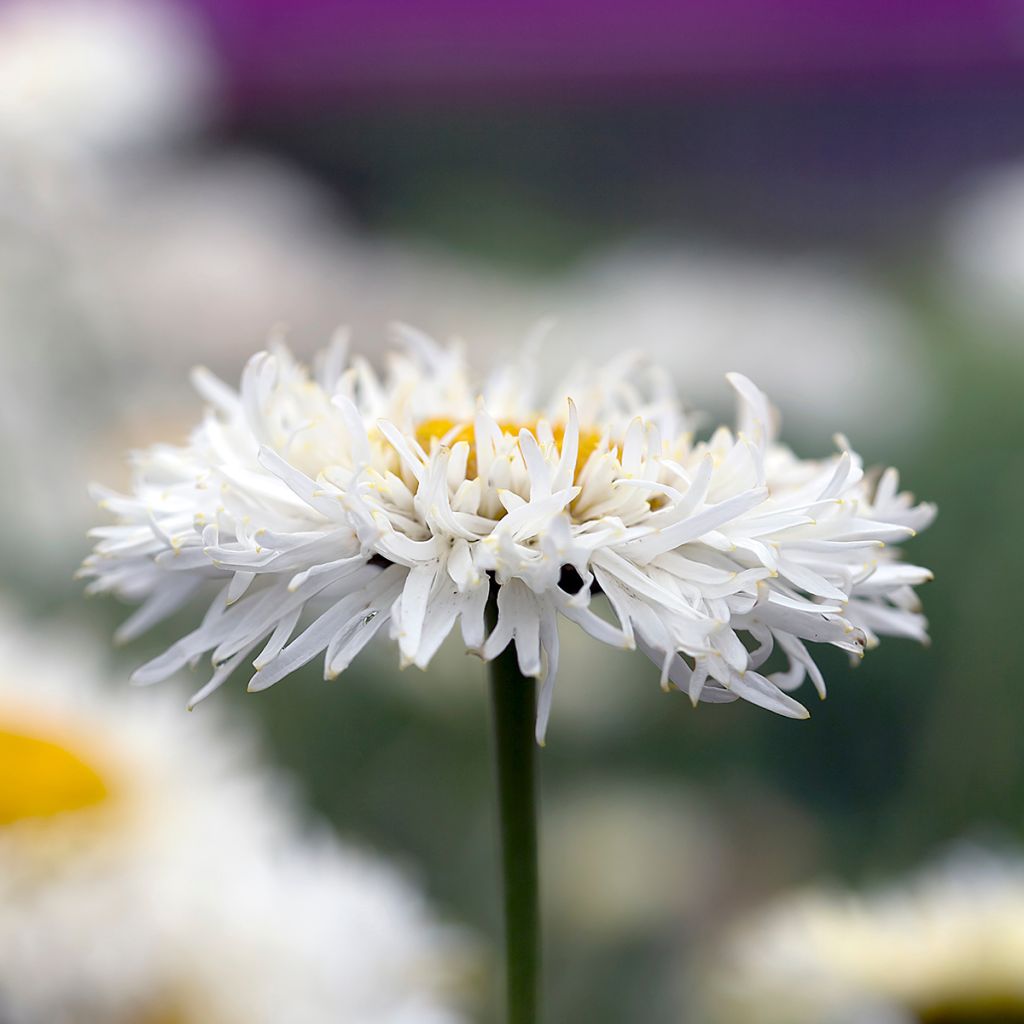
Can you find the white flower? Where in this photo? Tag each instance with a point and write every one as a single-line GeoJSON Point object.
{"type": "Point", "coordinates": [789, 322]}
{"type": "Point", "coordinates": [946, 946]}
{"type": "Point", "coordinates": [151, 869]}
{"type": "Point", "coordinates": [361, 502]}
{"type": "Point", "coordinates": [92, 76]}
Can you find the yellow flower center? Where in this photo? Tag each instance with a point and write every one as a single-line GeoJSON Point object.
{"type": "Point", "coordinates": [436, 429]}
{"type": "Point", "coordinates": [41, 778]}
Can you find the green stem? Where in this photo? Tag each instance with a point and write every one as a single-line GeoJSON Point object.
{"type": "Point", "coordinates": [514, 703]}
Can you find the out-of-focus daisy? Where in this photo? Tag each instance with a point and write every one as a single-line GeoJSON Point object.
{"type": "Point", "coordinates": [946, 947]}
{"type": "Point", "coordinates": [788, 321]}
{"type": "Point", "coordinates": [151, 870]}
{"type": "Point", "coordinates": [96, 76]}
{"type": "Point", "coordinates": [118, 289]}
{"type": "Point", "coordinates": [313, 511]}
{"type": "Point", "coordinates": [88, 89]}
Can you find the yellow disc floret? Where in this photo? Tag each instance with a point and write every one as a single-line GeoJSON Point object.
{"type": "Point", "coordinates": [40, 778]}
{"type": "Point", "coordinates": [453, 431]}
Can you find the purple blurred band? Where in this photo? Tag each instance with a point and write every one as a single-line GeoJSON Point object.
{"type": "Point", "coordinates": [278, 51]}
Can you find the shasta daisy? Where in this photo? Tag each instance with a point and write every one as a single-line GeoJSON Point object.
{"type": "Point", "coordinates": [314, 510]}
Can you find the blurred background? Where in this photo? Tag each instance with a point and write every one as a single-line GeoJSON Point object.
{"type": "Point", "coordinates": [827, 197]}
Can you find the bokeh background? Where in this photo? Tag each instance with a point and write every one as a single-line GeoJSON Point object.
{"type": "Point", "coordinates": [829, 198]}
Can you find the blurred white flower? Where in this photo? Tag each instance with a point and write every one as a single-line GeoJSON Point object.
{"type": "Point", "coordinates": [985, 250]}
{"type": "Point", "coordinates": [151, 870]}
{"type": "Point", "coordinates": [120, 286]}
{"type": "Point", "coordinates": [88, 90]}
{"type": "Point", "coordinates": [831, 348]}
{"type": "Point", "coordinates": [945, 947]}
{"type": "Point", "coordinates": [369, 501]}
{"type": "Point", "coordinates": [91, 77]}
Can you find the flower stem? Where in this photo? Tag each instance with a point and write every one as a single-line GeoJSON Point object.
{"type": "Point", "coordinates": [514, 704]}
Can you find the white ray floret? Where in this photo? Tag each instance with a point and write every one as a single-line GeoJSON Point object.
{"type": "Point", "coordinates": [315, 510]}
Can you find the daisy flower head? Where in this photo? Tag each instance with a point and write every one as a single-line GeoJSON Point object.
{"type": "Point", "coordinates": [316, 509]}
{"type": "Point", "coordinates": [153, 868]}
{"type": "Point", "coordinates": [82, 78]}
{"type": "Point", "coordinates": [945, 946]}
